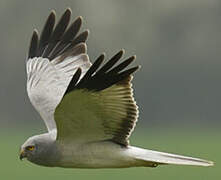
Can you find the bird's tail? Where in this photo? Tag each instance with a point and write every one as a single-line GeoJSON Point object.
{"type": "Point", "coordinates": [154, 158]}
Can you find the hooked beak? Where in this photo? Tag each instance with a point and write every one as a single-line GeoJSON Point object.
{"type": "Point", "coordinates": [22, 155]}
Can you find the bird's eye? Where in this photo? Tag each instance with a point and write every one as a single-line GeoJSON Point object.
{"type": "Point", "coordinates": [30, 148]}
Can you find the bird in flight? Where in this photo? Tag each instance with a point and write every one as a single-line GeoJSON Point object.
{"type": "Point", "coordinates": [88, 108]}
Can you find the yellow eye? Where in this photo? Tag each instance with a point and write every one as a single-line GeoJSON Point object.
{"type": "Point", "coordinates": [30, 148]}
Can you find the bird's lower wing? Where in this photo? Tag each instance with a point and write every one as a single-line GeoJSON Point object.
{"type": "Point", "coordinates": [87, 116]}
{"type": "Point", "coordinates": [100, 106]}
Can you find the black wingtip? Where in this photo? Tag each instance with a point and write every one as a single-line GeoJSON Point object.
{"type": "Point", "coordinates": [74, 51]}
{"type": "Point", "coordinates": [122, 51]}
{"type": "Point", "coordinates": [55, 38]}
{"type": "Point", "coordinates": [111, 62]}
{"type": "Point", "coordinates": [46, 33]}
{"type": "Point", "coordinates": [33, 44]}
{"type": "Point", "coordinates": [74, 80]}
{"type": "Point", "coordinates": [92, 69]}
{"type": "Point", "coordinates": [98, 62]}
{"type": "Point", "coordinates": [98, 78]}
{"type": "Point", "coordinates": [136, 68]}
{"type": "Point", "coordinates": [78, 20]}
{"type": "Point", "coordinates": [68, 12]}
{"type": "Point", "coordinates": [52, 16]}
{"type": "Point", "coordinates": [87, 32]}
{"type": "Point", "coordinates": [128, 72]}
{"type": "Point", "coordinates": [62, 24]}
{"type": "Point", "coordinates": [120, 54]}
{"type": "Point", "coordinates": [122, 65]}
{"type": "Point", "coordinates": [131, 59]}
{"type": "Point", "coordinates": [35, 32]}
{"type": "Point", "coordinates": [52, 13]}
{"type": "Point", "coordinates": [68, 9]}
{"type": "Point", "coordinates": [102, 56]}
{"type": "Point", "coordinates": [84, 47]}
{"type": "Point", "coordinates": [81, 38]}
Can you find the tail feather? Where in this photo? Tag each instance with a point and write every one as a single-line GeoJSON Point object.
{"type": "Point", "coordinates": [154, 158]}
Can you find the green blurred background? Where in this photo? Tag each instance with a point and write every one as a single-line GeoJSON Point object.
{"type": "Point", "coordinates": [178, 44]}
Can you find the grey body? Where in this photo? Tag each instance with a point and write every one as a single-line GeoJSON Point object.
{"type": "Point", "coordinates": [100, 154]}
{"type": "Point", "coordinates": [103, 154]}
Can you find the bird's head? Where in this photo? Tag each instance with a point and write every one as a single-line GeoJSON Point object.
{"type": "Point", "coordinates": [38, 148]}
{"type": "Point", "coordinates": [29, 149]}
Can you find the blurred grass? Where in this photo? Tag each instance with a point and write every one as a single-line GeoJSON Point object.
{"type": "Point", "coordinates": [198, 144]}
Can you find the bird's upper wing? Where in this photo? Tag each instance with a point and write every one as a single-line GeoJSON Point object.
{"type": "Point", "coordinates": [99, 106]}
{"type": "Point", "coordinates": [52, 61]}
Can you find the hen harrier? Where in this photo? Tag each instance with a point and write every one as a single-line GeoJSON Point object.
{"type": "Point", "coordinates": [89, 109]}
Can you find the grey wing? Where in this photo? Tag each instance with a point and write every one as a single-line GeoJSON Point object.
{"type": "Point", "coordinates": [52, 61]}
{"type": "Point", "coordinates": [99, 106]}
